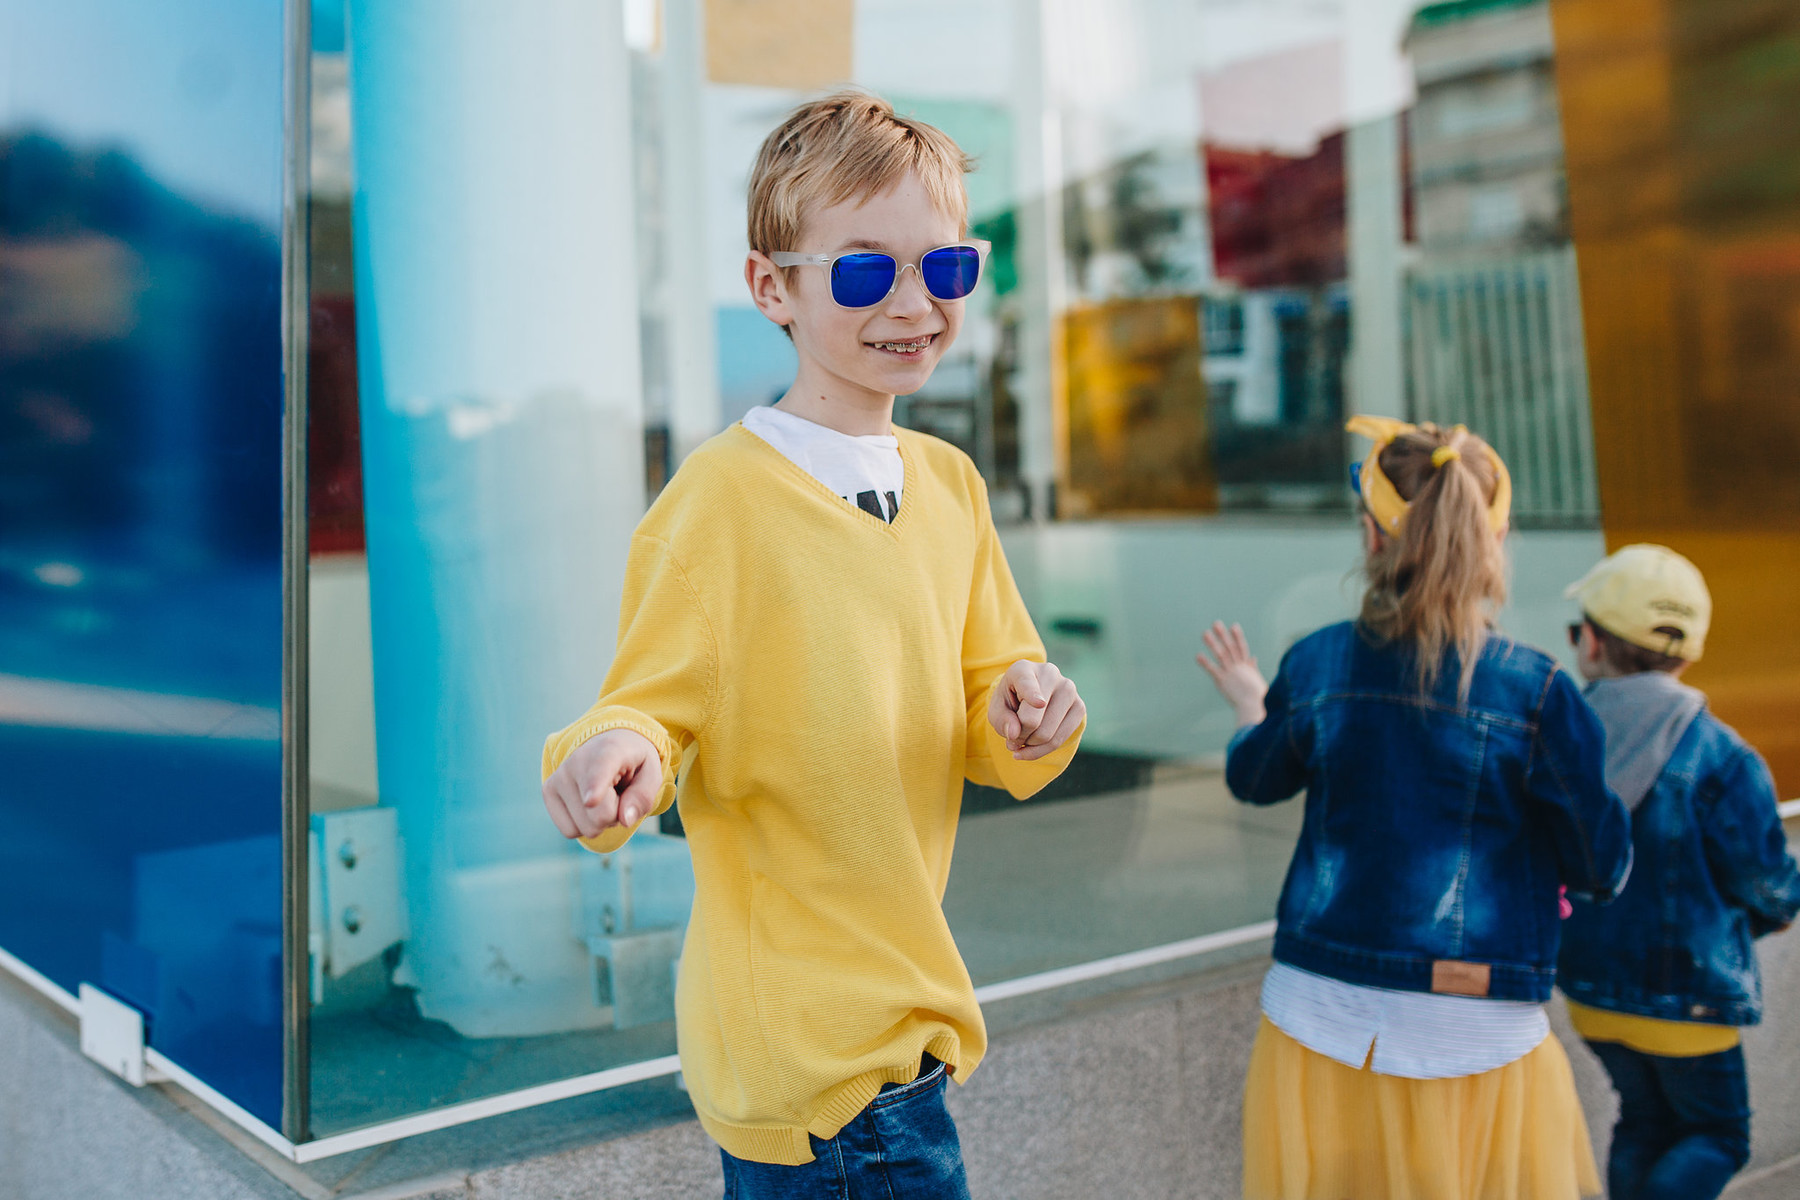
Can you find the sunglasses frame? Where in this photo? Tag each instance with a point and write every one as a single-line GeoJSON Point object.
{"type": "Point", "coordinates": [982, 248]}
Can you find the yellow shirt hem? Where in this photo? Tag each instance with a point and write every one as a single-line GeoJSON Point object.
{"type": "Point", "coordinates": [1651, 1035]}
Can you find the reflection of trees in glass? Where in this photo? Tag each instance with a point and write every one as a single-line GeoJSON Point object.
{"type": "Point", "coordinates": [1123, 215]}
{"type": "Point", "coordinates": [1002, 269]}
{"type": "Point", "coordinates": [140, 339]}
{"type": "Point", "coordinates": [1135, 253]}
{"type": "Point", "coordinates": [141, 410]}
{"type": "Point", "coordinates": [1144, 225]}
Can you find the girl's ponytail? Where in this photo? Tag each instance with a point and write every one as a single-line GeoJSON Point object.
{"type": "Point", "coordinates": [1439, 580]}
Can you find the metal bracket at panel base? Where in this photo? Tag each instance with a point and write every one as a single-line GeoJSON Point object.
{"type": "Point", "coordinates": [112, 1034]}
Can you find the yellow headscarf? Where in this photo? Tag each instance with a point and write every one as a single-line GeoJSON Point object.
{"type": "Point", "coordinates": [1383, 499]}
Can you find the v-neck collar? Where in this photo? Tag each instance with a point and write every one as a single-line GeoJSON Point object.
{"type": "Point", "coordinates": [891, 528]}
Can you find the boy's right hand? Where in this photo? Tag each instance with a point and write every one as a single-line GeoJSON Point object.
{"type": "Point", "coordinates": [611, 779]}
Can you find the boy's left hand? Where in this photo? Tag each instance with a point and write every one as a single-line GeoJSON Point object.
{"type": "Point", "coordinates": [1035, 708]}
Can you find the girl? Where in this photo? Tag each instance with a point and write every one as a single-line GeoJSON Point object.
{"type": "Point", "coordinates": [1453, 781]}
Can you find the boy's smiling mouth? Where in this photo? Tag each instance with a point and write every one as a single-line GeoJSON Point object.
{"type": "Point", "coordinates": [904, 348]}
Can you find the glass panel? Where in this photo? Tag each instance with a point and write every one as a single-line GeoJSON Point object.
{"type": "Point", "coordinates": [140, 510]}
{"type": "Point", "coordinates": [1217, 230]}
{"type": "Point", "coordinates": [479, 458]}
{"type": "Point", "coordinates": [1683, 162]}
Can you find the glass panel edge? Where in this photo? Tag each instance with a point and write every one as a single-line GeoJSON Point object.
{"type": "Point", "coordinates": [295, 816]}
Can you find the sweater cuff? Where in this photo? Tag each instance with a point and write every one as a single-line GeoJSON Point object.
{"type": "Point", "coordinates": [603, 720]}
{"type": "Point", "coordinates": [1025, 779]}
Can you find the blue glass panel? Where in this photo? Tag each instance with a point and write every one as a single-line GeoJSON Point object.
{"type": "Point", "coordinates": [140, 517]}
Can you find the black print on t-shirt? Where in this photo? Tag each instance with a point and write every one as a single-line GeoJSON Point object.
{"type": "Point", "coordinates": [870, 503]}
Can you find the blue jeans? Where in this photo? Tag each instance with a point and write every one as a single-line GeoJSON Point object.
{"type": "Point", "coordinates": [1684, 1123]}
{"type": "Point", "coordinates": [901, 1147]}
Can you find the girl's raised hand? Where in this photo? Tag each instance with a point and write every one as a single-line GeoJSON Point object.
{"type": "Point", "coordinates": [1234, 673]}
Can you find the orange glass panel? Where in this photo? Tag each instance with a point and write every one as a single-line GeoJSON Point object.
{"type": "Point", "coordinates": [1682, 176]}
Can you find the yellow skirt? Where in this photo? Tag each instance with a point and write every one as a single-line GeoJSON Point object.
{"type": "Point", "coordinates": [1315, 1129]}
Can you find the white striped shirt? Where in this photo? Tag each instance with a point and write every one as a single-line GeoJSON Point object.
{"type": "Point", "coordinates": [1415, 1035]}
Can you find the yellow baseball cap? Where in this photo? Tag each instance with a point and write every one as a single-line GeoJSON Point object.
{"type": "Point", "coordinates": [1650, 596]}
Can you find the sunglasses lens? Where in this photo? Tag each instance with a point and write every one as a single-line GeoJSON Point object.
{"type": "Point", "coordinates": [951, 272]}
{"type": "Point", "coordinates": [1356, 477]}
{"type": "Point", "coordinates": [859, 280]}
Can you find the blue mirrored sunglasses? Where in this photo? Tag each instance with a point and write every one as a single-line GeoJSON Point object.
{"type": "Point", "coordinates": [864, 278]}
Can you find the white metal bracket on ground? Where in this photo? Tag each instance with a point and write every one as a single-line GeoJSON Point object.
{"type": "Point", "coordinates": [112, 1034]}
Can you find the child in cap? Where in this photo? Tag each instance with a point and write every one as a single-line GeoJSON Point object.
{"type": "Point", "coordinates": [1453, 781]}
{"type": "Point", "coordinates": [1660, 981]}
{"type": "Point", "coordinates": [819, 630]}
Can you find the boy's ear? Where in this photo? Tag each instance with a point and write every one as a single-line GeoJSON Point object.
{"type": "Point", "coordinates": [768, 288]}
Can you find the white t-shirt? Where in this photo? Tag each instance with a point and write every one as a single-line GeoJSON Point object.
{"type": "Point", "coordinates": [866, 471]}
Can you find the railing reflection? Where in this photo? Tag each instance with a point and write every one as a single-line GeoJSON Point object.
{"type": "Point", "coordinates": [1496, 344]}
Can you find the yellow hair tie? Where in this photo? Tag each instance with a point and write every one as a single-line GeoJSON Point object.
{"type": "Point", "coordinates": [1444, 454]}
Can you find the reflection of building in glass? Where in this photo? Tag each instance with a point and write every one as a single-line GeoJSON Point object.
{"type": "Point", "coordinates": [1277, 323]}
{"type": "Point", "coordinates": [1492, 307]}
{"type": "Point", "coordinates": [334, 446]}
{"type": "Point", "coordinates": [1137, 426]}
{"type": "Point", "coordinates": [1486, 140]}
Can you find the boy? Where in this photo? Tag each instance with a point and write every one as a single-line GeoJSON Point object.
{"type": "Point", "coordinates": [819, 629]}
{"type": "Point", "coordinates": [1659, 981]}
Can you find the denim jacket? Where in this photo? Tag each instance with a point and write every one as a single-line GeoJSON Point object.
{"type": "Point", "coordinates": [1713, 871]}
{"type": "Point", "coordinates": [1436, 832]}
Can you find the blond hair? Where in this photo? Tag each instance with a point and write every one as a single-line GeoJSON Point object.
{"type": "Point", "coordinates": [848, 145]}
{"type": "Point", "coordinates": [1439, 581]}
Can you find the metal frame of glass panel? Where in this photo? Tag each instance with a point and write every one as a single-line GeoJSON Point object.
{"type": "Point", "coordinates": [295, 815]}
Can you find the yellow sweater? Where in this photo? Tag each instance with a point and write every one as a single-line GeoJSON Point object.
{"type": "Point", "coordinates": [822, 679]}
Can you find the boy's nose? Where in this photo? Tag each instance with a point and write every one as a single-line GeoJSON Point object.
{"type": "Point", "coordinates": [909, 297]}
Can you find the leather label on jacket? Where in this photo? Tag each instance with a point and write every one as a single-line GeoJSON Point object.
{"type": "Point", "coordinates": [1460, 978]}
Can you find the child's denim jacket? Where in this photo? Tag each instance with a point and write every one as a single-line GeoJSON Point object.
{"type": "Point", "coordinates": [1436, 833]}
{"type": "Point", "coordinates": [1713, 871]}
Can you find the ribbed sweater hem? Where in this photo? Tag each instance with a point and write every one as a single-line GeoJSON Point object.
{"type": "Point", "coordinates": [791, 1145]}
